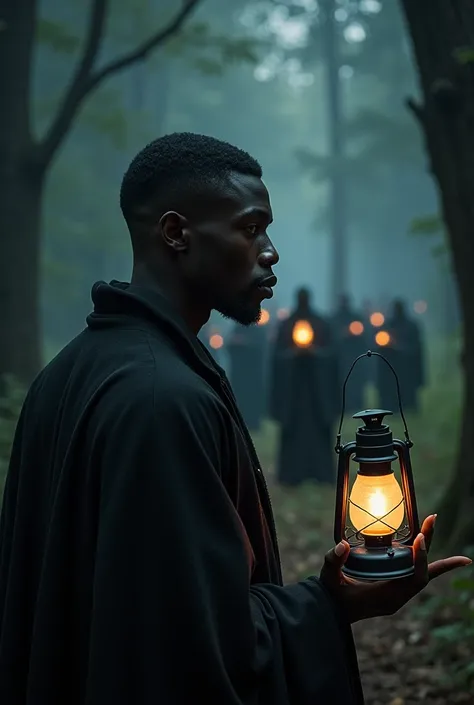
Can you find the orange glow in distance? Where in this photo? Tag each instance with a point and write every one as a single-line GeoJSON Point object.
{"type": "Point", "coordinates": [356, 328]}
{"type": "Point", "coordinates": [264, 317]}
{"type": "Point", "coordinates": [377, 319]}
{"type": "Point", "coordinates": [282, 313]}
{"type": "Point", "coordinates": [216, 341]}
{"type": "Point", "coordinates": [382, 338]}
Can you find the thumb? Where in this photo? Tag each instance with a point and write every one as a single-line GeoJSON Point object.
{"type": "Point", "coordinates": [333, 562]}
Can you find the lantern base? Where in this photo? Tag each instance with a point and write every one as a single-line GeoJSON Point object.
{"type": "Point", "coordinates": [384, 563]}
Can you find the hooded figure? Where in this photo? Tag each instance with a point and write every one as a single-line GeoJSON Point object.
{"type": "Point", "coordinates": [351, 339]}
{"type": "Point", "coordinates": [305, 396]}
{"type": "Point", "coordinates": [247, 353]}
{"type": "Point", "coordinates": [404, 350]}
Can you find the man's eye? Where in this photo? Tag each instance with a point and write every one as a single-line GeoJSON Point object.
{"type": "Point", "coordinates": [252, 229]}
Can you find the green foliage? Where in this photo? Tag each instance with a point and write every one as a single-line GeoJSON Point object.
{"type": "Point", "coordinates": [452, 617]}
{"type": "Point", "coordinates": [382, 136]}
{"type": "Point", "coordinates": [10, 406]}
{"type": "Point", "coordinates": [56, 36]}
{"type": "Point", "coordinates": [103, 114]}
{"type": "Point", "coordinates": [210, 52]}
{"type": "Point", "coordinates": [111, 121]}
{"type": "Point", "coordinates": [208, 66]}
{"type": "Point", "coordinates": [464, 55]}
{"type": "Point", "coordinates": [427, 225]}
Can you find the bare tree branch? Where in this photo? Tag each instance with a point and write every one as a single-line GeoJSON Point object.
{"type": "Point", "coordinates": [75, 92]}
{"type": "Point", "coordinates": [142, 51]}
{"type": "Point", "coordinates": [86, 80]}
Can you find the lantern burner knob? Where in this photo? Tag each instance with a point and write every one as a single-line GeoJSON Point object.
{"type": "Point", "coordinates": [373, 418]}
{"type": "Point", "coordinates": [374, 440]}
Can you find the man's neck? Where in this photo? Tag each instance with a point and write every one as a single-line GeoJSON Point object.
{"type": "Point", "coordinates": [193, 317]}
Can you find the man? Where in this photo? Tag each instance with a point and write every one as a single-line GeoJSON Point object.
{"type": "Point", "coordinates": [138, 557]}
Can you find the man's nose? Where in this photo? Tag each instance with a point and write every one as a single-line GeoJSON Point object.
{"type": "Point", "coordinates": [269, 256]}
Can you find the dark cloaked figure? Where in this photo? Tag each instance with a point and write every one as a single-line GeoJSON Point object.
{"type": "Point", "coordinates": [246, 348]}
{"type": "Point", "coordinates": [304, 395]}
{"type": "Point", "coordinates": [351, 339]}
{"type": "Point", "coordinates": [403, 348]}
{"type": "Point", "coordinates": [138, 556]}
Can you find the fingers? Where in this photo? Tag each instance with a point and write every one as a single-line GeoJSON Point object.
{"type": "Point", "coordinates": [333, 562]}
{"type": "Point", "coordinates": [428, 529]}
{"type": "Point", "coordinates": [425, 572]}
{"type": "Point", "coordinates": [444, 565]}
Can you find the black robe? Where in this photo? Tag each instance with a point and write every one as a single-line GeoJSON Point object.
{"type": "Point", "coordinates": [283, 343]}
{"type": "Point", "coordinates": [348, 347]}
{"type": "Point", "coordinates": [246, 350]}
{"type": "Point", "coordinates": [138, 558]}
{"type": "Point", "coordinates": [405, 354]}
{"type": "Point", "coordinates": [306, 413]}
{"type": "Point", "coordinates": [305, 399]}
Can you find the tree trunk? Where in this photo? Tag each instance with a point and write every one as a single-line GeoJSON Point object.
{"type": "Point", "coordinates": [438, 30]}
{"type": "Point", "coordinates": [20, 197]}
{"type": "Point", "coordinates": [337, 185]}
{"type": "Point", "coordinates": [20, 213]}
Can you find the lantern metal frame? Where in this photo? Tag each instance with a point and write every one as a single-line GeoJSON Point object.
{"type": "Point", "coordinates": [388, 556]}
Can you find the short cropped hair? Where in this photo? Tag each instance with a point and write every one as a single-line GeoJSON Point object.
{"type": "Point", "coordinates": [178, 168]}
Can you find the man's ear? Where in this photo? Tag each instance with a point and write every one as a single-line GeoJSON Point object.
{"type": "Point", "coordinates": [174, 230]}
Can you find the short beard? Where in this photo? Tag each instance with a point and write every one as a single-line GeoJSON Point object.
{"type": "Point", "coordinates": [240, 312]}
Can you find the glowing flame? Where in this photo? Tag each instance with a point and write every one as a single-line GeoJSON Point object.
{"type": "Point", "coordinates": [356, 328]}
{"type": "Point", "coordinates": [377, 319]}
{"type": "Point", "coordinates": [216, 341]}
{"type": "Point", "coordinates": [382, 338]}
{"type": "Point", "coordinates": [378, 505]}
{"type": "Point", "coordinates": [264, 317]}
{"type": "Point", "coordinates": [303, 334]}
{"type": "Point", "coordinates": [420, 307]}
{"type": "Point", "coordinates": [282, 313]}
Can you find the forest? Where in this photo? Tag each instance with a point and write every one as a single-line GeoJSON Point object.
{"type": "Point", "coordinates": [361, 114]}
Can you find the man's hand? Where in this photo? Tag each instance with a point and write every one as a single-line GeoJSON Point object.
{"type": "Point", "coordinates": [363, 600]}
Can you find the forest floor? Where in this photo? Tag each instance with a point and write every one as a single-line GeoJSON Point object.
{"type": "Point", "coordinates": [424, 653]}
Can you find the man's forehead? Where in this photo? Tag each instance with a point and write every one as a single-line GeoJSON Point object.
{"type": "Point", "coordinates": [245, 192]}
{"type": "Point", "coordinates": [248, 186]}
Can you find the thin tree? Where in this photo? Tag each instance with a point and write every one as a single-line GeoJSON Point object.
{"type": "Point", "coordinates": [25, 161]}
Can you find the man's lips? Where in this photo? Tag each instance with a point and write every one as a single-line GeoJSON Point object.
{"type": "Point", "coordinates": [268, 282]}
{"type": "Point", "coordinates": [265, 286]}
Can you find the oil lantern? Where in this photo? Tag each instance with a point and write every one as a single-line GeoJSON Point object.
{"type": "Point", "coordinates": [377, 515]}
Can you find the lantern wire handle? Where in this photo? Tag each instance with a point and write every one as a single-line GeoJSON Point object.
{"type": "Point", "coordinates": [370, 353]}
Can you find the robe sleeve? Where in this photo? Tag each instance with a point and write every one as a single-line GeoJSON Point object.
{"type": "Point", "coordinates": [175, 619]}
